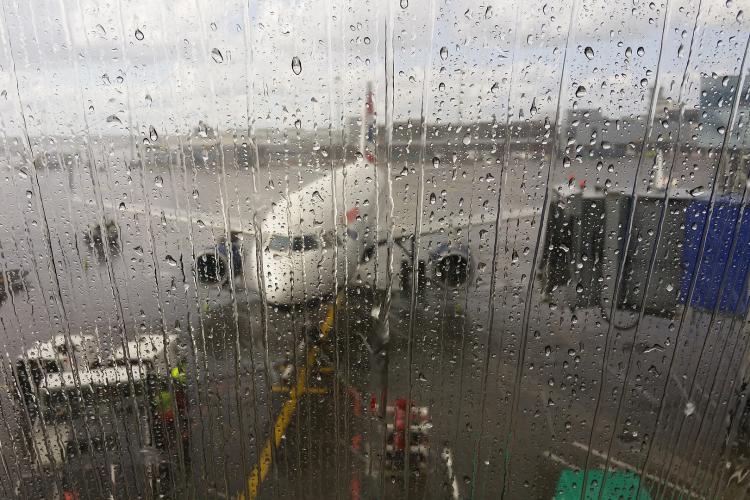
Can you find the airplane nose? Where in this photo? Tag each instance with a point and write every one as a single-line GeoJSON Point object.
{"type": "Point", "coordinates": [276, 273]}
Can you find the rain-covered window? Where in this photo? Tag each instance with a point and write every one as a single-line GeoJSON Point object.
{"type": "Point", "coordinates": [393, 249]}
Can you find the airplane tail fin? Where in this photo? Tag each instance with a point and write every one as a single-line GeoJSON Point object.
{"type": "Point", "coordinates": [368, 131]}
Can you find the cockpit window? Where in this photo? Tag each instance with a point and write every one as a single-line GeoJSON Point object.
{"type": "Point", "coordinates": [304, 243]}
{"type": "Point", "coordinates": [279, 243]}
{"type": "Point", "coordinates": [310, 242]}
{"type": "Point", "coordinates": [297, 245]}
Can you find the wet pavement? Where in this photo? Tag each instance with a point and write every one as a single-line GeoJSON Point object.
{"type": "Point", "coordinates": [520, 383]}
{"type": "Point", "coordinates": [435, 361]}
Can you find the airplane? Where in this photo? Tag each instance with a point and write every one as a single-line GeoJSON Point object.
{"type": "Point", "coordinates": [329, 233]}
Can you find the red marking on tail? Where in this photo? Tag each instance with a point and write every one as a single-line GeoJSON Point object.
{"type": "Point", "coordinates": [352, 214]}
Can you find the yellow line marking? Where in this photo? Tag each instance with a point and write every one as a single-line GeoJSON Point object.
{"type": "Point", "coordinates": [261, 469]}
{"type": "Point", "coordinates": [305, 390]}
{"type": "Point", "coordinates": [316, 390]}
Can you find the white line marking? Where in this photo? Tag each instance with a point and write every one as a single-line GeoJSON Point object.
{"type": "Point", "coordinates": [559, 460]}
{"type": "Point", "coordinates": [632, 468]}
{"type": "Point", "coordinates": [679, 385]}
{"type": "Point", "coordinates": [448, 457]}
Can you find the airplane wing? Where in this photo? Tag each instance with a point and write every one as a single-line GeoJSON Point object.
{"type": "Point", "coordinates": [198, 218]}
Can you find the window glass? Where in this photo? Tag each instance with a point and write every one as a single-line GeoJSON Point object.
{"type": "Point", "coordinates": [392, 249]}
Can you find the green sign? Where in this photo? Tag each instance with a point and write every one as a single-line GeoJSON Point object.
{"type": "Point", "coordinates": [619, 485]}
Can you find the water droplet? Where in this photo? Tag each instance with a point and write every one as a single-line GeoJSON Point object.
{"type": "Point", "coordinates": [158, 181]}
{"type": "Point", "coordinates": [653, 348]}
{"type": "Point", "coordinates": [444, 53]}
{"type": "Point", "coordinates": [488, 12]}
{"type": "Point", "coordinates": [170, 260]}
{"type": "Point", "coordinates": [152, 134]}
{"type": "Point", "coordinates": [495, 87]}
{"type": "Point", "coordinates": [644, 82]}
{"type": "Point", "coordinates": [640, 51]}
{"type": "Point", "coordinates": [740, 16]}
{"type": "Point", "coordinates": [589, 53]}
{"type": "Point", "coordinates": [697, 191]}
{"type": "Point", "coordinates": [441, 86]}
{"type": "Point", "coordinates": [404, 3]}
{"type": "Point", "coordinates": [436, 162]}
{"type": "Point", "coordinates": [547, 351]}
{"type": "Point", "coordinates": [113, 119]}
{"type": "Point", "coordinates": [689, 408]}
{"type": "Point", "coordinates": [296, 65]}
{"type": "Point", "coordinates": [138, 34]}
{"type": "Point", "coordinates": [580, 91]}
{"type": "Point", "coordinates": [121, 206]}
{"type": "Point", "coordinates": [466, 140]}
{"type": "Point", "coordinates": [433, 198]}
{"type": "Point", "coordinates": [217, 56]}
{"type": "Point", "coordinates": [670, 287]}
{"type": "Point", "coordinates": [721, 129]}
{"type": "Point", "coordinates": [23, 174]}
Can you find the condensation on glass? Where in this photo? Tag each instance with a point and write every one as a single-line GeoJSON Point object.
{"type": "Point", "coordinates": [403, 249]}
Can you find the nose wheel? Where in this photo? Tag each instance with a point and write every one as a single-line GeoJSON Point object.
{"type": "Point", "coordinates": [452, 270]}
{"type": "Point", "coordinates": [212, 269]}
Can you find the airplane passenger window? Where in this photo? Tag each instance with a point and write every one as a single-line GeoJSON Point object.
{"type": "Point", "coordinates": [405, 249]}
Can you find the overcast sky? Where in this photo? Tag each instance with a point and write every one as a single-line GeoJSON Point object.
{"type": "Point", "coordinates": [132, 65]}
